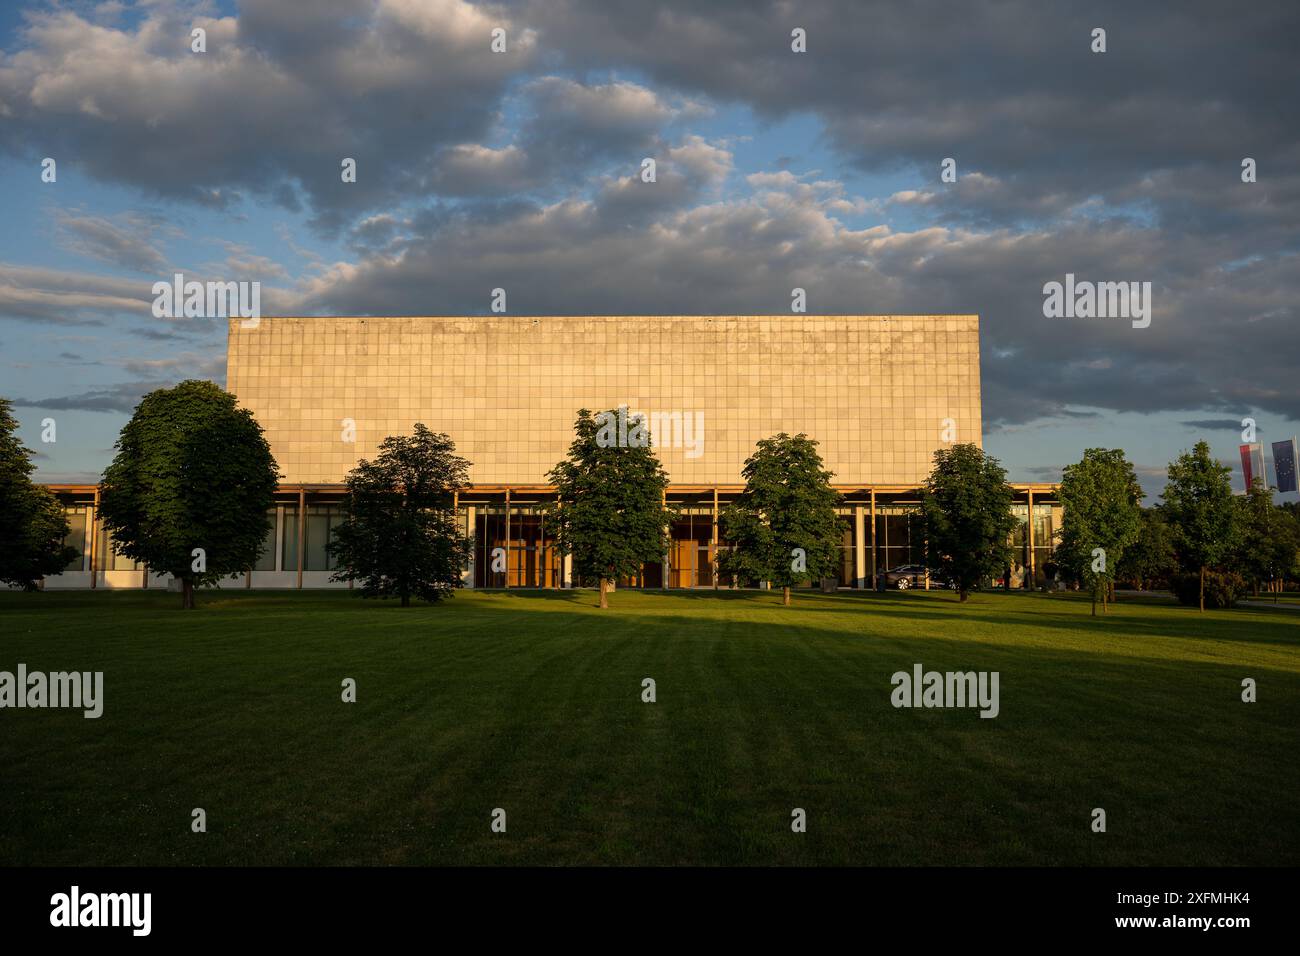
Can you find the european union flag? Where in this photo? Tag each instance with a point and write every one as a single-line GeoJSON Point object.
{"type": "Point", "coordinates": [1284, 464]}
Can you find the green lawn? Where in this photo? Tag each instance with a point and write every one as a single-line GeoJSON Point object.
{"type": "Point", "coordinates": [532, 702]}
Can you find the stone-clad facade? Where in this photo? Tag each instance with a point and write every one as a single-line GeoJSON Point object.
{"type": "Point", "coordinates": [874, 390]}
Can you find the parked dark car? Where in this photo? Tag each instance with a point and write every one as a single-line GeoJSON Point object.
{"type": "Point", "coordinates": [905, 576]}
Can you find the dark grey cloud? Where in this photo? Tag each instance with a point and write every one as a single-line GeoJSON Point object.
{"type": "Point", "coordinates": [568, 129]}
{"type": "Point", "coordinates": [146, 374]}
{"type": "Point", "coordinates": [1213, 424]}
{"type": "Point", "coordinates": [122, 397]}
{"type": "Point", "coordinates": [1011, 90]}
{"type": "Point", "coordinates": [283, 94]}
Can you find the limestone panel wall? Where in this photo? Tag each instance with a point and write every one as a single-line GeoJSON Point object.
{"type": "Point", "coordinates": [874, 390]}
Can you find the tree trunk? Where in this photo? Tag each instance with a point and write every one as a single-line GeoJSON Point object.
{"type": "Point", "coordinates": [1094, 601]}
{"type": "Point", "coordinates": [604, 594]}
{"type": "Point", "coordinates": [187, 594]}
{"type": "Point", "coordinates": [962, 595]}
{"type": "Point", "coordinates": [1202, 589]}
{"type": "Point", "coordinates": [785, 597]}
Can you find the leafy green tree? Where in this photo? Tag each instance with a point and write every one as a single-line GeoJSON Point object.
{"type": "Point", "coordinates": [1151, 557]}
{"type": "Point", "coordinates": [1099, 495]}
{"type": "Point", "coordinates": [188, 492]}
{"type": "Point", "coordinates": [1290, 532]}
{"type": "Point", "coordinates": [1200, 508]}
{"type": "Point", "coordinates": [783, 526]}
{"type": "Point", "coordinates": [399, 536]}
{"type": "Point", "coordinates": [32, 521]}
{"type": "Point", "coordinates": [966, 511]}
{"type": "Point", "coordinates": [609, 513]}
{"type": "Point", "coordinates": [1265, 547]}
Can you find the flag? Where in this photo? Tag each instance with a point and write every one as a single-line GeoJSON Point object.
{"type": "Point", "coordinates": [1252, 463]}
{"type": "Point", "coordinates": [1284, 464]}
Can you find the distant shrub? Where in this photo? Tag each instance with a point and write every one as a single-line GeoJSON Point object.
{"type": "Point", "coordinates": [1222, 589]}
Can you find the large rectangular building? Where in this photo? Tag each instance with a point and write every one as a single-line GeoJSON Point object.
{"type": "Point", "coordinates": [880, 393]}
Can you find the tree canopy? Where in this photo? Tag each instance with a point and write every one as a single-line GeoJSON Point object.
{"type": "Point", "coordinates": [609, 512]}
{"type": "Point", "coordinates": [1265, 546]}
{"type": "Point", "coordinates": [1102, 518]}
{"type": "Point", "coordinates": [1200, 509]}
{"type": "Point", "coordinates": [783, 527]}
{"type": "Point", "coordinates": [399, 536]}
{"type": "Point", "coordinates": [32, 522]}
{"type": "Point", "coordinates": [188, 491]}
{"type": "Point", "coordinates": [966, 512]}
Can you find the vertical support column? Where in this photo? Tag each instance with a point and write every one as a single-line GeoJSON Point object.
{"type": "Point", "coordinates": [455, 517]}
{"type": "Point", "coordinates": [279, 538]}
{"type": "Point", "coordinates": [94, 541]}
{"type": "Point", "coordinates": [560, 569]}
{"type": "Point", "coordinates": [568, 571]}
{"type": "Point", "coordinates": [302, 530]}
{"type": "Point", "coordinates": [1029, 542]}
{"type": "Point", "coordinates": [471, 520]}
{"type": "Point", "coordinates": [507, 536]}
{"type": "Point", "coordinates": [874, 572]}
{"type": "Point", "coordinates": [663, 577]}
{"type": "Point", "coordinates": [714, 556]}
{"type": "Point", "coordinates": [859, 549]}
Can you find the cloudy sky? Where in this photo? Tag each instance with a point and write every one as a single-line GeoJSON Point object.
{"type": "Point", "coordinates": [776, 169]}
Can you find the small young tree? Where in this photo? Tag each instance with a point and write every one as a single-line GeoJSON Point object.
{"type": "Point", "coordinates": [188, 492]}
{"type": "Point", "coordinates": [399, 535]}
{"type": "Point", "coordinates": [610, 514]}
{"type": "Point", "coordinates": [1100, 496]}
{"type": "Point", "coordinates": [1151, 557]}
{"type": "Point", "coordinates": [1200, 509]}
{"type": "Point", "coordinates": [783, 526]}
{"type": "Point", "coordinates": [1289, 549]}
{"type": "Point", "coordinates": [966, 510]}
{"type": "Point", "coordinates": [1264, 548]}
{"type": "Point", "coordinates": [32, 522]}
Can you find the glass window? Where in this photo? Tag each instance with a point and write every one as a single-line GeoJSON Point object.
{"type": "Point", "coordinates": [78, 519]}
{"type": "Point", "coordinates": [489, 534]}
{"type": "Point", "coordinates": [290, 547]}
{"type": "Point", "coordinates": [266, 561]}
{"type": "Point", "coordinates": [321, 521]}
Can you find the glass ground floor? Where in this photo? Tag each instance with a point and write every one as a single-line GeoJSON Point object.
{"type": "Point", "coordinates": [513, 547]}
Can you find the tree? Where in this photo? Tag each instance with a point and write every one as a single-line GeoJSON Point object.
{"type": "Point", "coordinates": [32, 522]}
{"type": "Point", "coordinates": [189, 489]}
{"type": "Point", "coordinates": [1200, 508]}
{"type": "Point", "coordinates": [1290, 533]}
{"type": "Point", "coordinates": [966, 511]}
{"type": "Point", "coordinates": [399, 534]}
{"type": "Point", "coordinates": [783, 526]}
{"type": "Point", "coordinates": [1099, 496]}
{"type": "Point", "coordinates": [609, 512]}
{"type": "Point", "coordinates": [1151, 557]}
{"type": "Point", "coordinates": [1265, 549]}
